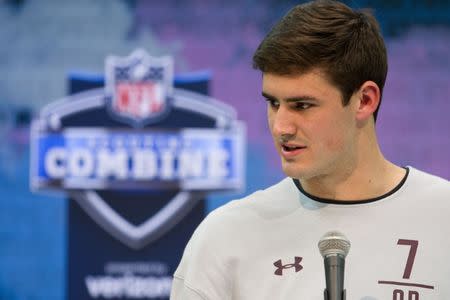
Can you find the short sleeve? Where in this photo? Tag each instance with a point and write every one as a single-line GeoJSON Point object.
{"type": "Point", "coordinates": [205, 271]}
{"type": "Point", "coordinates": [180, 291]}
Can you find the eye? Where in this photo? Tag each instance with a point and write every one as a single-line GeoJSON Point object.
{"type": "Point", "coordinates": [272, 102]}
{"type": "Point", "coordinates": [302, 105]}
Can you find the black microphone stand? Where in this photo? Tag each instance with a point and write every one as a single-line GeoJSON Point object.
{"type": "Point", "coordinates": [334, 277]}
{"type": "Point", "coordinates": [325, 295]}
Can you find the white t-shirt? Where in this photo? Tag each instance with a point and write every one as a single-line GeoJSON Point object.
{"type": "Point", "coordinates": [265, 245]}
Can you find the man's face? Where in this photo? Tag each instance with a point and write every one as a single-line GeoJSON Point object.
{"type": "Point", "coordinates": [313, 132]}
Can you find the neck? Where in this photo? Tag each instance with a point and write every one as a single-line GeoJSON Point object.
{"type": "Point", "coordinates": [367, 175]}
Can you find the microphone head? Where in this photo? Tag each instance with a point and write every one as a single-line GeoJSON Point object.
{"type": "Point", "coordinates": [332, 243]}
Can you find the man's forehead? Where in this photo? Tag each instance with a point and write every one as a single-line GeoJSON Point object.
{"type": "Point", "coordinates": [297, 80]}
{"type": "Point", "coordinates": [319, 72]}
{"type": "Point", "coordinates": [312, 84]}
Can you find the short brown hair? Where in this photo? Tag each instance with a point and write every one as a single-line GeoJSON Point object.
{"type": "Point", "coordinates": [346, 44]}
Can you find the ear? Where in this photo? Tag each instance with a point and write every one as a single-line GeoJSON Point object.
{"type": "Point", "coordinates": [368, 100]}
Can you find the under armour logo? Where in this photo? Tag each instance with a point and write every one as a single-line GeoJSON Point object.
{"type": "Point", "coordinates": [281, 267]}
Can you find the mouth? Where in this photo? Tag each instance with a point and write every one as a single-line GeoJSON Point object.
{"type": "Point", "coordinates": [290, 150]}
{"type": "Point", "coordinates": [289, 147]}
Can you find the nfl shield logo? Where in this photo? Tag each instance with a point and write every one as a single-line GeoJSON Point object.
{"type": "Point", "coordinates": [140, 87]}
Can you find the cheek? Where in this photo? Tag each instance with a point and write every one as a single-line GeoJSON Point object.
{"type": "Point", "coordinates": [334, 137]}
{"type": "Point", "coordinates": [334, 143]}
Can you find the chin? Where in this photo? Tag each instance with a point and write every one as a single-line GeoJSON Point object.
{"type": "Point", "coordinates": [303, 170]}
{"type": "Point", "coordinates": [297, 172]}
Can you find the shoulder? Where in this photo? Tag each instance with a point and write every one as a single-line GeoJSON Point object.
{"type": "Point", "coordinates": [235, 219]}
{"type": "Point", "coordinates": [275, 201]}
{"type": "Point", "coordinates": [421, 181]}
{"type": "Point", "coordinates": [221, 230]}
{"type": "Point", "coordinates": [429, 191]}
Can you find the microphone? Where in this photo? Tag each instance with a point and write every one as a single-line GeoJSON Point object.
{"type": "Point", "coordinates": [334, 247]}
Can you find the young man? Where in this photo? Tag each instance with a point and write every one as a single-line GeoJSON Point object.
{"type": "Point", "coordinates": [324, 67]}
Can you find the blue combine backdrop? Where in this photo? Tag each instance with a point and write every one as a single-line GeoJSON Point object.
{"type": "Point", "coordinates": [43, 44]}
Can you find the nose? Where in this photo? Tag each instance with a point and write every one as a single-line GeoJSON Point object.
{"type": "Point", "coordinates": [283, 123]}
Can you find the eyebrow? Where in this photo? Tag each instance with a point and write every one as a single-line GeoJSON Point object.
{"type": "Point", "coordinates": [290, 99]}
